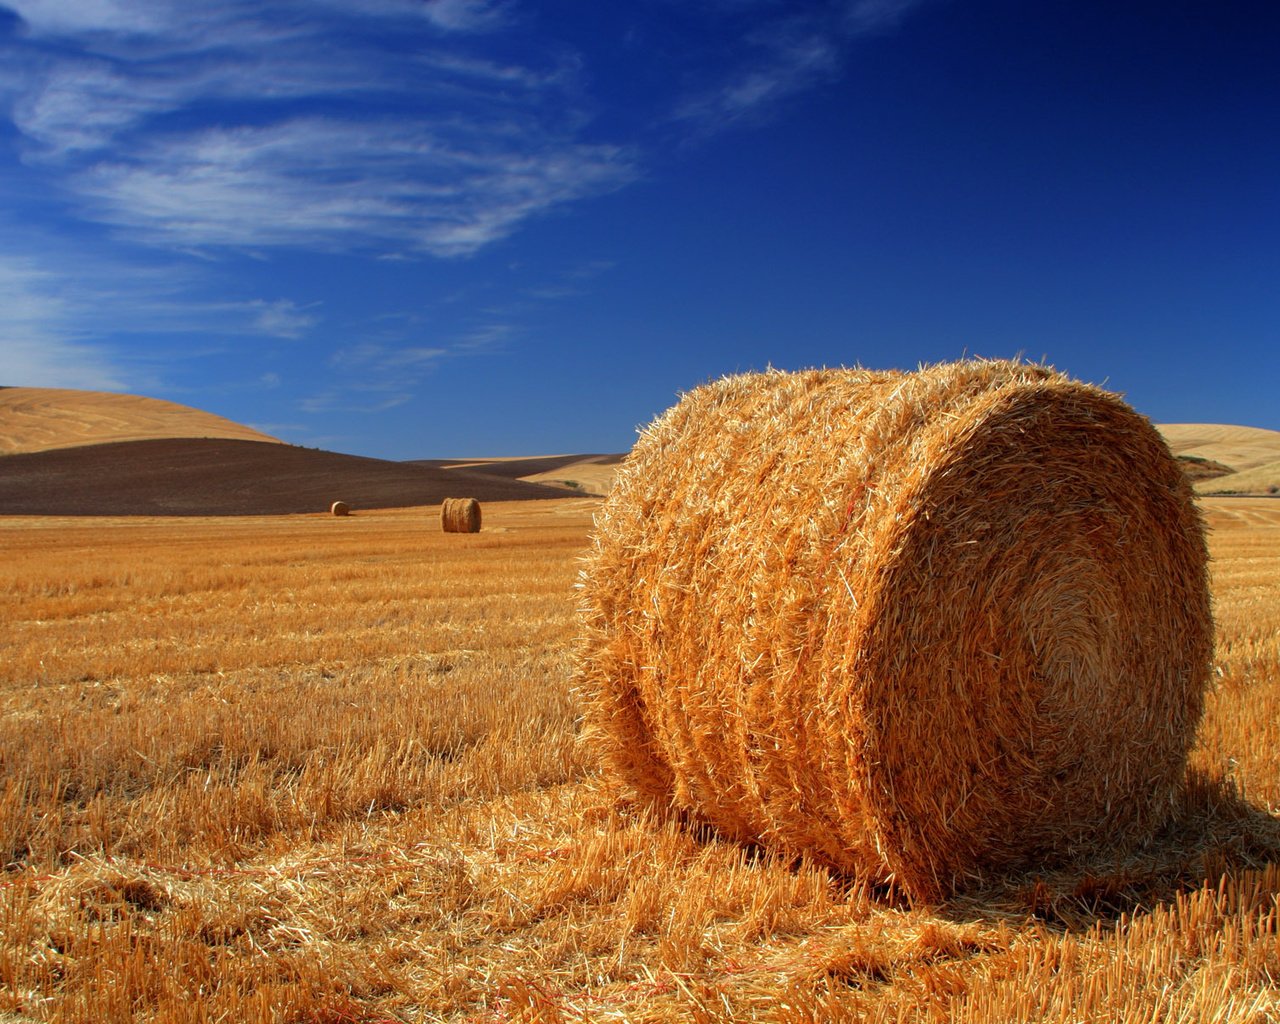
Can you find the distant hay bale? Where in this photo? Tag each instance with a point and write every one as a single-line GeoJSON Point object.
{"type": "Point", "coordinates": [340, 508]}
{"type": "Point", "coordinates": [924, 627]}
{"type": "Point", "coordinates": [460, 515]}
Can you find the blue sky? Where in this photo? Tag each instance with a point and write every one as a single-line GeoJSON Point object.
{"type": "Point", "coordinates": [418, 228]}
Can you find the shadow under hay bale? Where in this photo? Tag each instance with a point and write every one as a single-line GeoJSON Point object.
{"type": "Point", "coordinates": [340, 508]}
{"type": "Point", "coordinates": [460, 515]}
{"type": "Point", "coordinates": [927, 628]}
{"type": "Point", "coordinates": [1214, 837]}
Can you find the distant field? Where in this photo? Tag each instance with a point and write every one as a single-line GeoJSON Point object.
{"type": "Point", "coordinates": [227, 476]}
{"type": "Point", "coordinates": [161, 458]}
{"type": "Point", "coordinates": [65, 452]}
{"type": "Point", "coordinates": [300, 768]}
{"type": "Point", "coordinates": [587, 474]}
{"type": "Point", "coordinates": [1251, 453]}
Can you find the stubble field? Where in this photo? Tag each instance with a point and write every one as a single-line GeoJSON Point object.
{"type": "Point", "coordinates": [314, 769]}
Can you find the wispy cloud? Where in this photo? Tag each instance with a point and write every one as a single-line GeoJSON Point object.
{"type": "Point", "coordinates": [381, 374]}
{"type": "Point", "coordinates": [865, 16]}
{"type": "Point", "coordinates": [465, 15]}
{"type": "Point", "coordinates": [282, 318]}
{"type": "Point", "coordinates": [194, 19]}
{"type": "Point", "coordinates": [785, 53]}
{"type": "Point", "coordinates": [196, 126]}
{"type": "Point", "coordinates": [448, 190]}
{"type": "Point", "coordinates": [67, 318]}
{"type": "Point", "coordinates": [43, 342]}
{"type": "Point", "coordinates": [393, 129]}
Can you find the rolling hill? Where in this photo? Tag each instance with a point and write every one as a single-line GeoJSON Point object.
{"type": "Point", "coordinates": [228, 476]}
{"type": "Point", "coordinates": [1252, 454]}
{"type": "Point", "coordinates": [586, 474]}
{"type": "Point", "coordinates": [65, 452]}
{"type": "Point", "coordinates": [42, 419]}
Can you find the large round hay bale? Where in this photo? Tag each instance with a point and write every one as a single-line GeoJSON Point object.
{"type": "Point", "coordinates": [924, 627]}
{"type": "Point", "coordinates": [460, 515]}
{"type": "Point", "coordinates": [340, 508]}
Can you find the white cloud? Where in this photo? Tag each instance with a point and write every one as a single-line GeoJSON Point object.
{"type": "Point", "coordinates": [378, 375]}
{"type": "Point", "coordinates": [43, 342]}
{"type": "Point", "coordinates": [366, 399]}
{"type": "Point", "coordinates": [448, 190]}
{"type": "Point", "coordinates": [61, 17]}
{"type": "Point", "coordinates": [283, 318]}
{"type": "Point", "coordinates": [180, 124]}
{"type": "Point", "coordinates": [865, 16]}
{"type": "Point", "coordinates": [66, 316]}
{"type": "Point", "coordinates": [465, 15]}
{"type": "Point", "coordinates": [786, 55]}
{"type": "Point", "coordinates": [415, 356]}
{"type": "Point", "coordinates": [789, 66]}
{"type": "Point", "coordinates": [154, 17]}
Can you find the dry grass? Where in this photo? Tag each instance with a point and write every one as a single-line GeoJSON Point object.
{"type": "Point", "coordinates": [291, 770]}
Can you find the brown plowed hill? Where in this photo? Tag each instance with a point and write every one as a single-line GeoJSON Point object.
{"type": "Point", "coordinates": [224, 476]}
{"type": "Point", "coordinates": [42, 419]}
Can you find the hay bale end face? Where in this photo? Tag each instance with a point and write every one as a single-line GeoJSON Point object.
{"type": "Point", "coordinates": [340, 508]}
{"type": "Point", "coordinates": [460, 515]}
{"type": "Point", "coordinates": [924, 627]}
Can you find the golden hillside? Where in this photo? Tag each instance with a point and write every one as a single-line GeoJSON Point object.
{"type": "Point", "coordinates": [42, 419]}
{"type": "Point", "coordinates": [588, 475]}
{"type": "Point", "coordinates": [1252, 452]}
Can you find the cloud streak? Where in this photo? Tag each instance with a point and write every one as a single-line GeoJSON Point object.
{"type": "Point", "coordinates": [66, 319]}
{"type": "Point", "coordinates": [294, 124]}
{"type": "Point", "coordinates": [448, 189]}
{"type": "Point", "coordinates": [383, 126]}
{"type": "Point", "coordinates": [786, 54]}
{"type": "Point", "coordinates": [42, 344]}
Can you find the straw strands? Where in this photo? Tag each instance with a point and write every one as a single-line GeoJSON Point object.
{"type": "Point", "coordinates": [340, 508]}
{"type": "Point", "coordinates": [460, 515]}
{"type": "Point", "coordinates": [924, 627]}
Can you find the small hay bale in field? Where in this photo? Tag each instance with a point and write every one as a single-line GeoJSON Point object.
{"type": "Point", "coordinates": [460, 515]}
{"type": "Point", "coordinates": [340, 508]}
{"type": "Point", "coordinates": [925, 627]}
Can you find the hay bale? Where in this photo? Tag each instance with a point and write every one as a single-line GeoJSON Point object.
{"type": "Point", "coordinates": [340, 508]}
{"type": "Point", "coordinates": [460, 515]}
{"type": "Point", "coordinates": [924, 627]}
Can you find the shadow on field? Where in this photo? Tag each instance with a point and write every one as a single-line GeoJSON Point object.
{"type": "Point", "coordinates": [1214, 834]}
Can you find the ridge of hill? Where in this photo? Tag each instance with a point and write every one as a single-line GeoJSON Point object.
{"type": "Point", "coordinates": [586, 474]}
{"type": "Point", "coordinates": [1241, 448]}
{"type": "Point", "coordinates": [230, 476]}
{"type": "Point", "coordinates": [69, 452]}
{"type": "Point", "coordinates": [1252, 454]}
{"type": "Point", "coordinates": [44, 419]}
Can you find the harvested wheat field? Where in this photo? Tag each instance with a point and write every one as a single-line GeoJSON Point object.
{"type": "Point", "coordinates": [300, 769]}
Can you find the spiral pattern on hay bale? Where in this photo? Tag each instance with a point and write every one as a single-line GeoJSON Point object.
{"type": "Point", "coordinates": [460, 515]}
{"type": "Point", "coordinates": [340, 508]}
{"type": "Point", "coordinates": [924, 627]}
